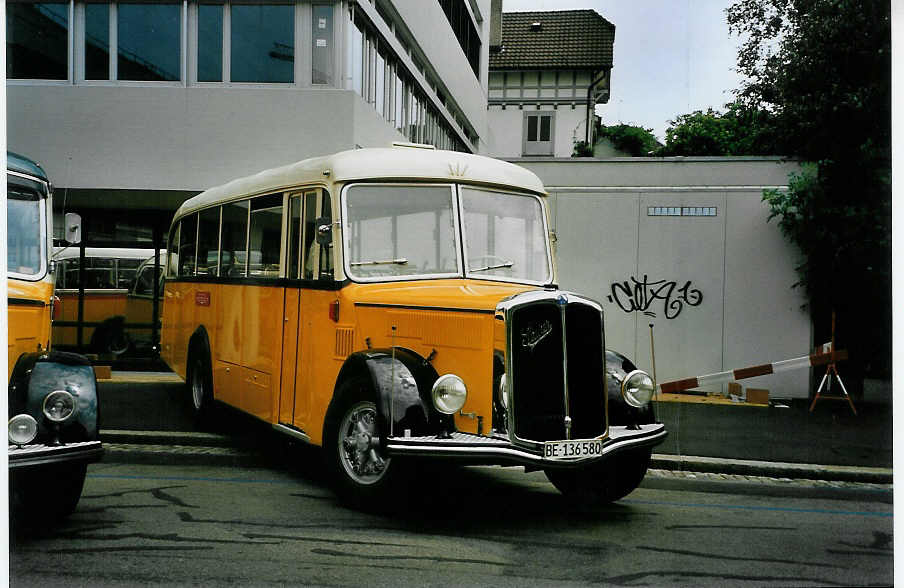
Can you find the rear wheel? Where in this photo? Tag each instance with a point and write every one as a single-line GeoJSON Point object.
{"type": "Point", "coordinates": [363, 475]}
{"type": "Point", "coordinates": [605, 482]}
{"type": "Point", "coordinates": [200, 384]}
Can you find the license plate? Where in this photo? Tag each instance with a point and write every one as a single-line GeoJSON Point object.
{"type": "Point", "coordinates": [572, 449]}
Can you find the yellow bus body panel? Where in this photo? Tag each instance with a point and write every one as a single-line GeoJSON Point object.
{"type": "Point", "coordinates": [29, 317]}
{"type": "Point", "coordinates": [276, 353]}
{"type": "Point", "coordinates": [99, 306]}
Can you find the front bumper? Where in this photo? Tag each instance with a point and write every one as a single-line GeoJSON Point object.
{"type": "Point", "coordinates": [477, 449]}
{"type": "Point", "coordinates": [39, 454]}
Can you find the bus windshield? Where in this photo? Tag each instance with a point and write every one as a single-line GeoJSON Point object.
{"type": "Point", "coordinates": [25, 240]}
{"type": "Point", "coordinates": [411, 231]}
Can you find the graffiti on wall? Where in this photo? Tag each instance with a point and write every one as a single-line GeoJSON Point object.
{"type": "Point", "coordinates": [640, 295]}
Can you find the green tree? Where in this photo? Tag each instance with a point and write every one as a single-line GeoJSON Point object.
{"type": "Point", "coordinates": [631, 139]}
{"type": "Point", "coordinates": [740, 130]}
{"type": "Point", "coordinates": [822, 69]}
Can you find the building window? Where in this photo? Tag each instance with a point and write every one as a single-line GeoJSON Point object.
{"type": "Point", "coordinates": [539, 133]}
{"type": "Point", "coordinates": [322, 40]}
{"type": "Point", "coordinates": [463, 26]}
{"type": "Point", "coordinates": [262, 43]}
{"type": "Point", "coordinates": [210, 43]}
{"type": "Point", "coordinates": [37, 41]}
{"type": "Point", "coordinates": [149, 41]}
{"type": "Point", "coordinates": [97, 41]}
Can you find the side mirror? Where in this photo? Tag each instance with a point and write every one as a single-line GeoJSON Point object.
{"type": "Point", "coordinates": [324, 230]}
{"type": "Point", "coordinates": [73, 231]}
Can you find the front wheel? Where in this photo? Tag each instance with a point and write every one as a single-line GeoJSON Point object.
{"type": "Point", "coordinates": [46, 495]}
{"type": "Point", "coordinates": [363, 475]}
{"type": "Point", "coordinates": [605, 482]}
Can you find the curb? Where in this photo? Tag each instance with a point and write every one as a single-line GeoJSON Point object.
{"type": "Point", "coordinates": [190, 448]}
{"type": "Point", "coordinates": [772, 469]}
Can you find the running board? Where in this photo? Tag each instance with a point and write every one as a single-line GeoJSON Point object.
{"type": "Point", "coordinates": [292, 432]}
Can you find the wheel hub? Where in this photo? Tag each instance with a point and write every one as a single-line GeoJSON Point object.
{"type": "Point", "coordinates": [360, 452]}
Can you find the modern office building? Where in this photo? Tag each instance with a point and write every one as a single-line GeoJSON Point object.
{"type": "Point", "coordinates": [132, 107]}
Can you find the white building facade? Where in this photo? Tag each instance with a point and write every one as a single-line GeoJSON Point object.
{"type": "Point", "coordinates": [140, 105]}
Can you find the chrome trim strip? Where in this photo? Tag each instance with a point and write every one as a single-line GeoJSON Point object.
{"type": "Point", "coordinates": [468, 446]}
{"type": "Point", "coordinates": [40, 454]}
{"type": "Point", "coordinates": [292, 432]}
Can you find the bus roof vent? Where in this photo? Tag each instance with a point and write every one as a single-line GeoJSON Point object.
{"type": "Point", "coordinates": [413, 145]}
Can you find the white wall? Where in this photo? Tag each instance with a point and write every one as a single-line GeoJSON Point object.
{"type": "Point", "coordinates": [741, 265]}
{"type": "Point", "coordinates": [171, 138]}
{"type": "Point", "coordinates": [507, 129]}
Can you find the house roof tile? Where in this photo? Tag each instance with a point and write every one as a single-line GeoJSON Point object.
{"type": "Point", "coordinates": [580, 39]}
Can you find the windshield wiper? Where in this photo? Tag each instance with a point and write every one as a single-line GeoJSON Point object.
{"type": "Point", "coordinates": [400, 261]}
{"type": "Point", "coordinates": [492, 267]}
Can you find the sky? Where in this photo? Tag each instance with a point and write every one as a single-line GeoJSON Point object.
{"type": "Point", "coordinates": [672, 57]}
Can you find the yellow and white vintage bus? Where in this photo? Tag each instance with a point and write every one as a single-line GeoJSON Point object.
{"type": "Point", "coordinates": [52, 396]}
{"type": "Point", "coordinates": [108, 309]}
{"type": "Point", "coordinates": [400, 302]}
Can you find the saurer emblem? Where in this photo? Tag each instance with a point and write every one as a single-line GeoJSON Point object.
{"type": "Point", "coordinates": [532, 334]}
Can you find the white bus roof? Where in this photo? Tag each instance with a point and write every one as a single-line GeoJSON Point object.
{"type": "Point", "coordinates": [71, 251]}
{"type": "Point", "coordinates": [384, 163]}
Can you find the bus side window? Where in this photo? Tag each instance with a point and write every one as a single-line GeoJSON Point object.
{"type": "Point", "coordinates": [310, 243]}
{"type": "Point", "coordinates": [234, 240]}
{"type": "Point", "coordinates": [172, 258]}
{"type": "Point", "coordinates": [295, 229]}
{"type": "Point", "coordinates": [187, 244]}
{"type": "Point", "coordinates": [208, 241]}
{"type": "Point", "coordinates": [326, 251]}
{"type": "Point", "coordinates": [265, 236]}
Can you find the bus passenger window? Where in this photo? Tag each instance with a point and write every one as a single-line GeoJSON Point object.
{"type": "Point", "coordinates": [172, 258]}
{"type": "Point", "coordinates": [310, 244]}
{"type": "Point", "coordinates": [293, 271]}
{"type": "Point", "coordinates": [208, 241]}
{"type": "Point", "coordinates": [234, 242]}
{"type": "Point", "coordinates": [326, 251]}
{"type": "Point", "coordinates": [187, 243]}
{"type": "Point", "coordinates": [265, 236]}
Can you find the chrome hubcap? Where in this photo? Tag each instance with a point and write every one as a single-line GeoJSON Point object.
{"type": "Point", "coordinates": [359, 444]}
{"type": "Point", "coordinates": [197, 388]}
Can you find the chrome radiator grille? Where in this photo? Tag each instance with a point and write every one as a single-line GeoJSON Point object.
{"type": "Point", "coordinates": [556, 368]}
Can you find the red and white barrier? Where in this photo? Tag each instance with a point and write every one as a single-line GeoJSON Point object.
{"type": "Point", "coordinates": [753, 371]}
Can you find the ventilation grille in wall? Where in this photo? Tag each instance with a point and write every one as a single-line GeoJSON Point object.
{"type": "Point", "coordinates": [682, 211]}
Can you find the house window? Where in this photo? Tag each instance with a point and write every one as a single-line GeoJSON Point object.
{"type": "Point", "coordinates": [37, 41]}
{"type": "Point", "coordinates": [539, 128]}
{"type": "Point", "coordinates": [149, 42]}
{"type": "Point", "coordinates": [263, 43]}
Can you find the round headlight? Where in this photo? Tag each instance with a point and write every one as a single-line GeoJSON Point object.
{"type": "Point", "coordinates": [637, 389]}
{"type": "Point", "coordinates": [449, 394]}
{"type": "Point", "coordinates": [59, 405]}
{"type": "Point", "coordinates": [22, 429]}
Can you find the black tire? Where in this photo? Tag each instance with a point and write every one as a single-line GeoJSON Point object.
{"type": "Point", "coordinates": [362, 475]}
{"type": "Point", "coordinates": [47, 495]}
{"type": "Point", "coordinates": [199, 381]}
{"type": "Point", "coordinates": [605, 482]}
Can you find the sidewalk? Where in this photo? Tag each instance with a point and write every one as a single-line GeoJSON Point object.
{"type": "Point", "coordinates": [146, 419]}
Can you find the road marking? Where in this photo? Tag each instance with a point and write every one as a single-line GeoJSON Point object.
{"type": "Point", "coordinates": [758, 508]}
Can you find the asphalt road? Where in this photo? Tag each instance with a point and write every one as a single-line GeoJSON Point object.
{"type": "Point", "coordinates": [175, 525]}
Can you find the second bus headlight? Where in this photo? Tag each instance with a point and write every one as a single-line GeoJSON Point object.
{"type": "Point", "coordinates": [449, 394]}
{"type": "Point", "coordinates": [637, 388]}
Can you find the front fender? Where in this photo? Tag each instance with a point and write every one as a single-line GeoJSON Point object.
{"type": "Point", "coordinates": [620, 412]}
{"type": "Point", "coordinates": [403, 387]}
{"type": "Point", "coordinates": [35, 376]}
